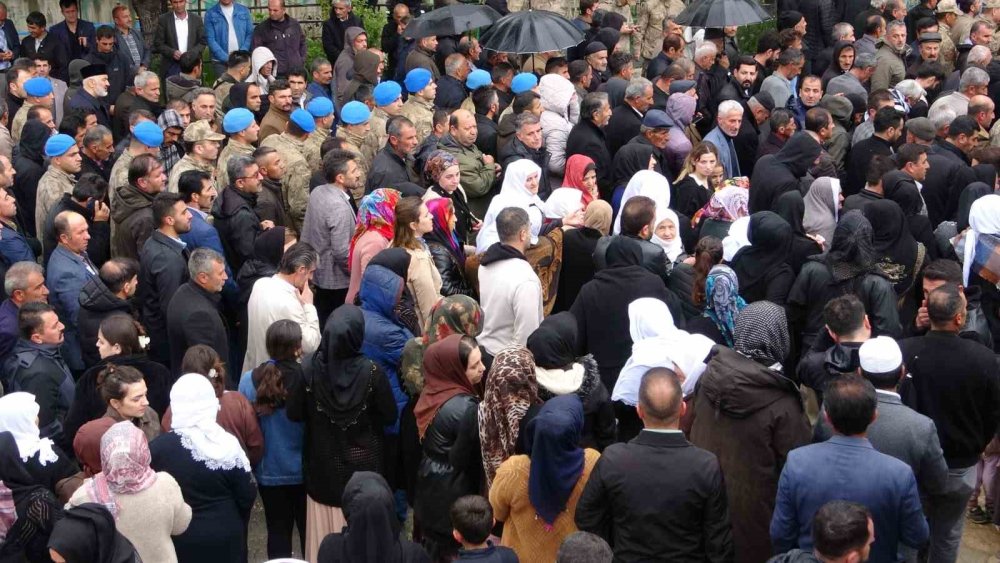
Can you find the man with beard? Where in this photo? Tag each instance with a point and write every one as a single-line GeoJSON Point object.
{"type": "Point", "coordinates": [729, 118]}
{"type": "Point", "coordinates": [269, 206]}
{"type": "Point", "coordinates": [119, 67]}
{"type": "Point", "coordinates": [929, 49]}
{"type": "Point", "coordinates": [596, 55]}
{"type": "Point", "coordinates": [95, 87]}
{"type": "Point", "coordinates": [280, 96]}
{"type": "Point", "coordinates": [891, 67]}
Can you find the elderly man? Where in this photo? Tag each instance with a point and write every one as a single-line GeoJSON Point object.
{"type": "Point", "coordinates": [419, 108]}
{"type": "Point", "coordinates": [98, 148]}
{"type": "Point", "coordinates": [24, 282]}
{"type": "Point", "coordinates": [891, 56]}
{"type": "Point", "coordinates": [89, 98]}
{"type": "Point", "coordinates": [69, 270]}
{"type": "Point", "coordinates": [451, 87]}
{"type": "Point", "coordinates": [974, 82]}
{"type": "Point", "coordinates": [527, 144]}
{"type": "Point", "coordinates": [653, 133]}
{"type": "Point", "coordinates": [296, 178]}
{"type": "Point", "coordinates": [341, 18]}
{"type": "Point", "coordinates": [478, 171]}
{"type": "Point", "coordinates": [729, 118]}
{"type": "Point", "coordinates": [203, 150]}
{"type": "Point", "coordinates": [981, 109]}
{"type": "Point", "coordinates": [587, 138]}
{"type": "Point", "coordinates": [596, 55]}
{"type": "Point", "coordinates": [626, 119]}
{"type": "Point", "coordinates": [145, 95]}
{"type": "Point", "coordinates": [853, 81]}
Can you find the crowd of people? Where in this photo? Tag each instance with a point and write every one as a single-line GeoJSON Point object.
{"type": "Point", "coordinates": [660, 297]}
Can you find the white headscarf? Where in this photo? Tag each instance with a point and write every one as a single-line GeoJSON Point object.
{"type": "Point", "coordinates": [984, 219]}
{"type": "Point", "coordinates": [562, 202]}
{"type": "Point", "coordinates": [513, 193]}
{"type": "Point", "coordinates": [647, 183]}
{"type": "Point", "coordinates": [195, 406]}
{"type": "Point", "coordinates": [18, 412]}
{"type": "Point", "coordinates": [737, 238]}
{"type": "Point", "coordinates": [673, 248]}
{"type": "Point", "coordinates": [657, 342]}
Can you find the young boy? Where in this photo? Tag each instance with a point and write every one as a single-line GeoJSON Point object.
{"type": "Point", "coordinates": [471, 522]}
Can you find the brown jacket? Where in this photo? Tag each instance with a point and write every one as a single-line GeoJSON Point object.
{"type": "Point", "coordinates": [274, 123]}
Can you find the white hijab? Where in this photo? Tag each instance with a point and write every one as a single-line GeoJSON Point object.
{"type": "Point", "coordinates": [647, 183]}
{"type": "Point", "coordinates": [673, 248]}
{"type": "Point", "coordinates": [984, 219]}
{"type": "Point", "coordinates": [737, 238]}
{"type": "Point", "coordinates": [18, 414]}
{"type": "Point", "coordinates": [563, 202]}
{"type": "Point", "coordinates": [195, 407]}
{"type": "Point", "coordinates": [513, 193]}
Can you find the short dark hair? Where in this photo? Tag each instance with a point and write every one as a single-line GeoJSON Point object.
{"type": "Point", "coordinates": [335, 163]}
{"type": "Point", "coordinates": [909, 153]}
{"type": "Point", "coordinates": [660, 408]}
{"type": "Point", "coordinates": [440, 117]}
{"type": "Point", "coordinates": [638, 212]}
{"type": "Point", "coordinates": [584, 547]}
{"type": "Point", "coordinates": [844, 315]}
{"type": "Point", "coordinates": [90, 186]}
{"type": "Point", "coordinates": [34, 111]}
{"type": "Point", "coordinates": [790, 56]}
{"type": "Point", "coordinates": [943, 270]}
{"type": "Point", "coordinates": [118, 271]}
{"type": "Point", "coordinates": [29, 317]}
{"type": "Point", "coordinates": [483, 98]}
{"type": "Point", "coordinates": [944, 303]}
{"type": "Point", "coordinates": [879, 97]}
{"type": "Point", "coordinates": [887, 117]}
{"type": "Point", "coordinates": [578, 69]}
{"type": "Point", "coordinates": [817, 118]}
{"type": "Point", "coordinates": [299, 255]}
{"type": "Point", "coordinates": [555, 63]}
{"type": "Point", "coordinates": [191, 183]}
{"type": "Point", "coordinates": [163, 206]}
{"type": "Point", "coordinates": [35, 18]}
{"type": "Point", "coordinates": [850, 403]}
{"type": "Point", "coordinates": [472, 516]}
{"type": "Point", "coordinates": [278, 84]}
{"type": "Point", "coordinates": [780, 117]}
{"type": "Point", "coordinates": [105, 32]}
{"type": "Point", "coordinates": [190, 61]}
{"type": "Point", "coordinates": [838, 527]}
{"type": "Point", "coordinates": [672, 41]}
{"type": "Point", "coordinates": [879, 166]}
{"type": "Point", "coordinates": [297, 71]}
{"type": "Point", "coordinates": [873, 24]}
{"type": "Point", "coordinates": [925, 23]}
{"type": "Point", "coordinates": [745, 60]}
{"type": "Point", "coordinates": [237, 58]}
{"type": "Point", "coordinates": [586, 5]}
{"type": "Point", "coordinates": [618, 61]}
{"type": "Point", "coordinates": [592, 103]}
{"type": "Point", "coordinates": [962, 125]}
{"type": "Point", "coordinates": [63, 4]}
{"type": "Point", "coordinates": [928, 69]}
{"type": "Point", "coordinates": [500, 71]}
{"type": "Point", "coordinates": [524, 100]}
{"type": "Point", "coordinates": [140, 167]}
{"type": "Point", "coordinates": [510, 222]}
{"type": "Point", "coordinates": [768, 41]}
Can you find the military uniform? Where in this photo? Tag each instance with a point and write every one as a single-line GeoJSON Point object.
{"type": "Point", "coordinates": [296, 178]}
{"type": "Point", "coordinates": [311, 148]}
{"type": "Point", "coordinates": [625, 12]}
{"type": "Point", "coordinates": [189, 162]}
{"type": "Point", "coordinates": [421, 113]}
{"type": "Point", "coordinates": [17, 124]}
{"type": "Point", "coordinates": [51, 187]}
{"type": "Point", "coordinates": [948, 53]}
{"type": "Point", "coordinates": [234, 148]}
{"type": "Point", "coordinates": [379, 120]}
{"type": "Point", "coordinates": [647, 41]}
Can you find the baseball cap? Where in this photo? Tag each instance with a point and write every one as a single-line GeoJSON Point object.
{"type": "Point", "coordinates": [948, 7]}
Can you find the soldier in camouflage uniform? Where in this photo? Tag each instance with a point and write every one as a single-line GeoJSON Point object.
{"type": "Point", "coordinates": [388, 102]}
{"type": "Point", "coordinates": [355, 132]}
{"type": "Point", "coordinates": [647, 41]}
{"type": "Point", "coordinates": [991, 13]}
{"type": "Point", "coordinates": [322, 111]}
{"type": "Point", "coordinates": [419, 108]}
{"type": "Point", "coordinates": [243, 131]}
{"type": "Point", "coordinates": [947, 14]}
{"type": "Point", "coordinates": [59, 179]}
{"type": "Point", "coordinates": [624, 9]}
{"type": "Point", "coordinates": [38, 92]}
{"type": "Point", "coordinates": [290, 145]}
{"type": "Point", "coordinates": [146, 139]}
{"type": "Point", "coordinates": [203, 150]}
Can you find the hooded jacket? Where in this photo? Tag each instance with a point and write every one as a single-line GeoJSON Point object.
{"type": "Point", "coordinates": [819, 366]}
{"type": "Point", "coordinates": [343, 67]}
{"type": "Point", "coordinates": [839, 143]}
{"type": "Point", "coordinates": [750, 417]}
{"type": "Point", "coordinates": [29, 162]}
{"type": "Point", "coordinates": [511, 298]}
{"type": "Point", "coordinates": [96, 304]}
{"type": "Point", "coordinates": [365, 67]}
{"type": "Point", "coordinates": [238, 224]}
{"type": "Point", "coordinates": [179, 86]}
{"type": "Point", "coordinates": [779, 173]}
{"type": "Point", "coordinates": [680, 109]}
{"type": "Point", "coordinates": [559, 113]}
{"type": "Point", "coordinates": [40, 369]}
{"type": "Point", "coordinates": [132, 215]}
{"type": "Point", "coordinates": [260, 57]}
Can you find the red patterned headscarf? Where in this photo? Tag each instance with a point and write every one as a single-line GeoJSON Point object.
{"type": "Point", "coordinates": [377, 212]}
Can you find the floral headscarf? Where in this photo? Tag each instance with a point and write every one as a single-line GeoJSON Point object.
{"type": "Point", "coordinates": [455, 314]}
{"type": "Point", "coordinates": [437, 163]}
{"type": "Point", "coordinates": [442, 211]}
{"type": "Point", "coordinates": [377, 212]}
{"type": "Point", "coordinates": [728, 204]}
{"type": "Point", "coordinates": [511, 389]}
{"type": "Point", "coordinates": [125, 466]}
{"type": "Point", "coordinates": [722, 300]}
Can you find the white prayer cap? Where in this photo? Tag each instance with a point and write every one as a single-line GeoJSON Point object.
{"type": "Point", "coordinates": [880, 355]}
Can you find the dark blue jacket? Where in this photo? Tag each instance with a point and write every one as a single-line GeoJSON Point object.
{"type": "Point", "coordinates": [14, 247]}
{"type": "Point", "coordinates": [39, 369]}
{"type": "Point", "coordinates": [8, 327]}
{"type": "Point", "coordinates": [13, 39]}
{"type": "Point", "coordinates": [385, 336]}
{"type": "Point", "coordinates": [84, 28]}
{"type": "Point", "coordinates": [86, 103]}
{"type": "Point", "coordinates": [66, 275]}
{"type": "Point", "coordinates": [204, 235]}
{"type": "Point", "coordinates": [846, 468]}
{"type": "Point", "coordinates": [217, 30]}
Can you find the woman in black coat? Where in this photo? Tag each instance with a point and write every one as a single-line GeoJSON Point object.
{"type": "Point", "coordinates": [578, 253]}
{"type": "Point", "coordinates": [446, 250]}
{"type": "Point", "coordinates": [791, 207]}
{"type": "Point", "coordinates": [693, 187]}
{"type": "Point", "coordinates": [761, 268]}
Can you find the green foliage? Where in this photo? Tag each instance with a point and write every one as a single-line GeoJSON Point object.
{"type": "Point", "coordinates": [314, 50]}
{"type": "Point", "coordinates": [372, 19]}
{"type": "Point", "coordinates": [747, 35]}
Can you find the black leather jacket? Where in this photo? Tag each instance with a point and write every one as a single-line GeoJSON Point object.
{"type": "Point", "coordinates": [453, 280]}
{"type": "Point", "coordinates": [653, 257]}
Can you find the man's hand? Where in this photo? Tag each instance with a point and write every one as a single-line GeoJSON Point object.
{"type": "Point", "coordinates": [306, 295]}
{"type": "Point", "coordinates": [267, 224]}
{"type": "Point", "coordinates": [177, 55]}
{"type": "Point", "coordinates": [923, 320]}
{"type": "Point", "coordinates": [101, 212]}
{"type": "Point", "coordinates": [488, 159]}
{"type": "Point", "coordinates": [83, 41]}
{"type": "Point", "coordinates": [497, 169]}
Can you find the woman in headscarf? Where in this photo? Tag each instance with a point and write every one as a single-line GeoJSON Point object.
{"type": "Point", "coordinates": [693, 187]}
{"type": "Point", "coordinates": [560, 371]}
{"type": "Point", "coordinates": [446, 418]}
{"type": "Point", "coordinates": [578, 253]}
{"type": "Point", "coordinates": [444, 177]}
{"type": "Point", "coordinates": [581, 174]}
{"type": "Point", "coordinates": [822, 211]}
{"type": "Point", "coordinates": [29, 161]}
{"type": "Point", "coordinates": [372, 533]}
{"type": "Point", "coordinates": [413, 221]}
{"type": "Point", "coordinates": [667, 235]}
{"type": "Point", "coordinates": [376, 217]}
{"type": "Point", "coordinates": [35, 508]}
{"type": "Point", "coordinates": [511, 389]}
{"type": "Point", "coordinates": [47, 465]}
{"type": "Point", "coordinates": [148, 507]}
{"type": "Point", "coordinates": [212, 470]}
{"type": "Point", "coordinates": [841, 62]}
{"type": "Point", "coordinates": [446, 250]}
{"type": "Point", "coordinates": [535, 495]}
{"type": "Point", "coordinates": [645, 183]}
{"type": "Point", "coordinates": [725, 206]}
{"type": "Point", "coordinates": [625, 166]}
{"type": "Point", "coordinates": [850, 266]}
{"type": "Point", "coordinates": [750, 415]}
{"type": "Point", "coordinates": [87, 534]}
{"type": "Point", "coordinates": [722, 305]}
{"type": "Point", "coordinates": [124, 390]}
{"type": "Point", "coordinates": [279, 473]}
{"type": "Point", "coordinates": [263, 69]}
{"type": "Point", "coordinates": [978, 248]}
{"type": "Point", "coordinates": [761, 267]}
{"type": "Point", "coordinates": [563, 202]}
{"type": "Point", "coordinates": [345, 401]}
{"type": "Point", "coordinates": [900, 257]}
{"type": "Point", "coordinates": [791, 207]}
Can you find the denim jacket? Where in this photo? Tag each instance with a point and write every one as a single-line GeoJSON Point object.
{"type": "Point", "coordinates": [217, 30]}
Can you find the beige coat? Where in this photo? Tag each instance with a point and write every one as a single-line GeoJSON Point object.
{"type": "Point", "coordinates": [647, 41]}
{"type": "Point", "coordinates": [188, 162]}
{"type": "Point", "coordinates": [421, 113]}
{"type": "Point", "coordinates": [424, 282]}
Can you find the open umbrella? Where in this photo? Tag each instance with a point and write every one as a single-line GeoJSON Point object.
{"type": "Point", "coordinates": [531, 31]}
{"type": "Point", "coordinates": [721, 13]}
{"type": "Point", "coordinates": [455, 19]}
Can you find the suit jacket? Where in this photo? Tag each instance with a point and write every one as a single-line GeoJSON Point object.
{"type": "Point", "coordinates": [193, 318]}
{"type": "Point", "coordinates": [816, 474]}
{"type": "Point", "coordinates": [54, 49]}
{"type": "Point", "coordinates": [658, 498]}
{"type": "Point", "coordinates": [74, 50]}
{"type": "Point", "coordinates": [165, 39]}
{"type": "Point", "coordinates": [13, 39]}
{"type": "Point", "coordinates": [623, 125]}
{"type": "Point", "coordinates": [65, 276]}
{"type": "Point", "coordinates": [163, 268]}
{"type": "Point", "coordinates": [144, 50]}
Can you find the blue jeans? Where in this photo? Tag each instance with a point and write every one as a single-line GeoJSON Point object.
{"type": "Point", "coordinates": [946, 515]}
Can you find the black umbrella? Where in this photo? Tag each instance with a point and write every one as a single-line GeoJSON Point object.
{"type": "Point", "coordinates": [721, 13]}
{"type": "Point", "coordinates": [455, 19]}
{"type": "Point", "coordinates": [531, 31]}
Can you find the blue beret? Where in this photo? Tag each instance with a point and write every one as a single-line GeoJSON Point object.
{"type": "Point", "coordinates": [148, 133]}
{"type": "Point", "coordinates": [417, 79]}
{"type": "Point", "coordinates": [477, 79]}
{"type": "Point", "coordinates": [57, 145]}
{"type": "Point", "coordinates": [236, 120]}
{"type": "Point", "coordinates": [304, 120]}
{"type": "Point", "coordinates": [354, 113]}
{"type": "Point", "coordinates": [523, 82]}
{"type": "Point", "coordinates": [38, 87]}
{"type": "Point", "coordinates": [387, 92]}
{"type": "Point", "coordinates": [320, 107]}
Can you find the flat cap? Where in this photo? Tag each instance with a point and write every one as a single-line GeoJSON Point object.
{"type": "Point", "coordinates": [921, 128]}
{"type": "Point", "coordinates": [933, 36]}
{"type": "Point", "coordinates": [681, 86]}
{"type": "Point", "coordinates": [765, 100]}
{"type": "Point", "coordinates": [657, 119]}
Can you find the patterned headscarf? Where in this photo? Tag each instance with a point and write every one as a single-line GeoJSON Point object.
{"type": "Point", "coordinates": [728, 204]}
{"type": "Point", "coordinates": [723, 302]}
{"type": "Point", "coordinates": [437, 163]}
{"type": "Point", "coordinates": [8, 513]}
{"type": "Point", "coordinates": [761, 334]}
{"type": "Point", "coordinates": [511, 389]}
{"type": "Point", "coordinates": [125, 466]}
{"type": "Point", "coordinates": [377, 212]}
{"type": "Point", "coordinates": [442, 211]}
{"type": "Point", "coordinates": [455, 314]}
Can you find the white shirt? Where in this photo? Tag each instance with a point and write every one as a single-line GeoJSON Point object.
{"type": "Point", "coordinates": [227, 12]}
{"type": "Point", "coordinates": [274, 299]}
{"type": "Point", "coordinates": [181, 26]}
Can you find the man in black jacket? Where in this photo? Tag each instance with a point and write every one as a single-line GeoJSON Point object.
{"type": "Point", "coordinates": [163, 262]}
{"type": "Point", "coordinates": [102, 297]}
{"type": "Point", "coordinates": [953, 381]}
{"type": "Point", "coordinates": [341, 18]}
{"type": "Point", "coordinates": [451, 86]}
{"type": "Point", "coordinates": [627, 118]}
{"type": "Point", "coordinates": [235, 218]}
{"type": "Point", "coordinates": [165, 40]}
{"type": "Point", "coordinates": [778, 173]}
{"type": "Point", "coordinates": [487, 103]}
{"type": "Point", "coordinates": [673, 507]}
{"type": "Point", "coordinates": [888, 123]}
{"type": "Point", "coordinates": [193, 315]}
{"type": "Point", "coordinates": [86, 199]}
{"type": "Point", "coordinates": [847, 327]}
{"type": "Point", "coordinates": [587, 138]}
{"type": "Point", "coordinates": [638, 218]}
{"type": "Point", "coordinates": [946, 177]}
{"type": "Point", "coordinates": [527, 144]}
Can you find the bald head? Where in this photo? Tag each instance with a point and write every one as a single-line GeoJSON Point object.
{"type": "Point", "coordinates": [981, 109]}
{"type": "Point", "coordinates": [660, 399]}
